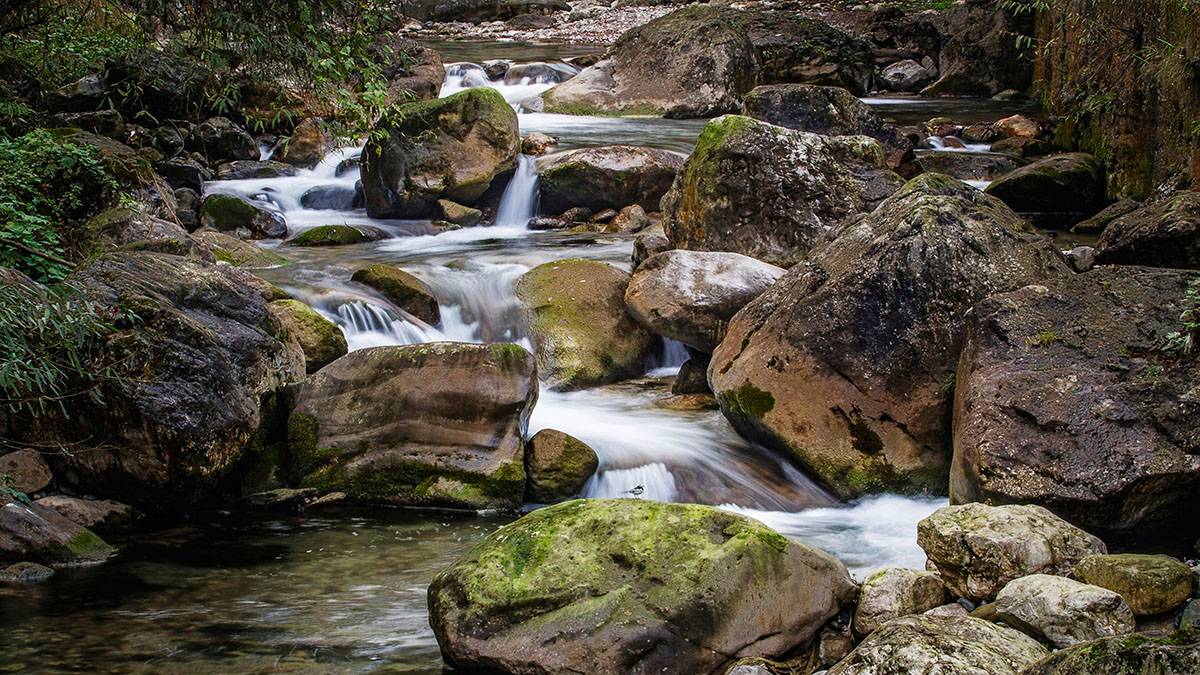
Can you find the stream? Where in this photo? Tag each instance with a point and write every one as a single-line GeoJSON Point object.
{"type": "Point", "coordinates": [343, 589]}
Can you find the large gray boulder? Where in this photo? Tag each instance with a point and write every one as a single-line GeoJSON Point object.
{"type": "Point", "coordinates": [895, 592]}
{"type": "Point", "coordinates": [1062, 611]}
{"type": "Point", "coordinates": [977, 549]}
{"type": "Point", "coordinates": [29, 532]}
{"type": "Point", "coordinates": [1063, 381]}
{"type": "Point", "coordinates": [606, 177]}
{"type": "Point", "coordinates": [438, 424]}
{"type": "Point", "coordinates": [691, 296]}
{"type": "Point", "coordinates": [610, 586]}
{"type": "Point", "coordinates": [1135, 655]}
{"type": "Point", "coordinates": [847, 362]}
{"type": "Point", "coordinates": [1064, 184]}
{"type": "Point", "coordinates": [452, 148]}
{"type": "Point", "coordinates": [770, 192]}
{"type": "Point", "coordinates": [1150, 584]}
{"type": "Point", "coordinates": [1163, 234]}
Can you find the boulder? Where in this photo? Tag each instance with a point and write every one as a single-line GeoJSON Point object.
{"type": "Point", "coordinates": [24, 471]}
{"type": "Point", "coordinates": [184, 172]}
{"type": "Point", "coordinates": [320, 338]}
{"type": "Point", "coordinates": [208, 355]}
{"type": "Point", "coordinates": [410, 68]}
{"type": "Point", "coordinates": [220, 140]}
{"type": "Point", "coordinates": [575, 313]}
{"type": "Point", "coordinates": [1017, 126]}
{"type": "Point", "coordinates": [437, 424]}
{"type": "Point", "coordinates": [330, 197]}
{"type": "Point", "coordinates": [338, 235]}
{"type": "Point", "coordinates": [463, 216]}
{"type": "Point", "coordinates": [691, 296]}
{"type": "Point", "coordinates": [979, 54]}
{"type": "Point", "coordinates": [135, 177]}
{"type": "Point", "coordinates": [829, 111]}
{"type": "Point", "coordinates": [86, 93]}
{"type": "Point", "coordinates": [114, 228]}
{"type": "Point", "coordinates": [103, 122]}
{"type": "Point", "coordinates": [1163, 234]}
{"type": "Point", "coordinates": [1060, 382]}
{"type": "Point", "coordinates": [237, 252]}
{"type": "Point", "coordinates": [769, 192]}
{"type": "Point", "coordinates": [1082, 258]}
{"type": "Point", "coordinates": [1021, 147]}
{"type": "Point", "coordinates": [895, 592]}
{"type": "Point", "coordinates": [649, 242]}
{"type": "Point", "coordinates": [252, 168]}
{"type": "Point", "coordinates": [694, 62]}
{"type": "Point", "coordinates": [557, 465]}
{"type": "Point", "coordinates": [451, 148]}
{"type": "Point", "coordinates": [628, 220]}
{"type": "Point", "coordinates": [307, 146]}
{"type": "Point", "coordinates": [611, 586]}
{"type": "Point", "coordinates": [95, 514]}
{"type": "Point", "coordinates": [1061, 611]}
{"type": "Point", "coordinates": [938, 644]}
{"type": "Point", "coordinates": [1066, 184]}
{"type": "Point", "coordinates": [1150, 584]}
{"type": "Point", "coordinates": [847, 362]}
{"type": "Point", "coordinates": [796, 49]}
{"type": "Point", "coordinates": [1097, 223]}
{"type": "Point", "coordinates": [1132, 655]}
{"type": "Point", "coordinates": [230, 213]}
{"type": "Point", "coordinates": [402, 290]}
{"type": "Point", "coordinates": [906, 75]}
{"type": "Point", "coordinates": [967, 165]}
{"type": "Point", "coordinates": [977, 549]}
{"type": "Point", "coordinates": [606, 177]}
{"type": "Point", "coordinates": [25, 572]}
{"type": "Point", "coordinates": [537, 143]}
{"type": "Point", "coordinates": [187, 208]}
{"type": "Point", "coordinates": [173, 84]}
{"type": "Point", "coordinates": [29, 532]}
{"type": "Point", "coordinates": [692, 378]}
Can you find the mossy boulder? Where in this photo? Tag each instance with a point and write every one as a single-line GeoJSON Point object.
{"type": "Point", "coordinates": [237, 252]}
{"type": "Point", "coordinates": [1151, 584]}
{"type": "Point", "coordinates": [770, 192]}
{"type": "Point", "coordinates": [123, 226]}
{"type": "Point", "coordinates": [29, 532]}
{"type": "Point", "coordinates": [895, 592]}
{"type": "Point", "coordinates": [230, 213]}
{"type": "Point", "coordinates": [252, 168]}
{"type": "Point", "coordinates": [320, 338]}
{"type": "Point", "coordinates": [438, 424]}
{"type": "Point", "coordinates": [1062, 611]}
{"type": "Point", "coordinates": [337, 235]}
{"type": "Point", "coordinates": [557, 465]}
{"type": "Point", "coordinates": [463, 216]}
{"type": "Point", "coordinates": [625, 585]}
{"type": "Point", "coordinates": [606, 177]}
{"type": "Point", "coordinates": [1128, 655]}
{"type": "Point", "coordinates": [1165, 233]}
{"type": "Point", "coordinates": [1071, 185]}
{"type": "Point", "coordinates": [98, 515]}
{"type": "Point", "coordinates": [402, 290]}
{"type": "Point", "coordinates": [451, 148]}
{"type": "Point", "coordinates": [575, 313]}
{"type": "Point", "coordinates": [845, 361]}
{"type": "Point", "coordinates": [25, 572]}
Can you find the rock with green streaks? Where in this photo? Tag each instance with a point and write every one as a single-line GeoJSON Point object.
{"type": "Point", "coordinates": [29, 532]}
{"type": "Point", "coordinates": [320, 338]}
{"type": "Point", "coordinates": [558, 465]}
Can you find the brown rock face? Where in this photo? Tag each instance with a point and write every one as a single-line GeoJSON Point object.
{"type": "Point", "coordinates": [847, 361]}
{"type": "Point", "coordinates": [1072, 394]}
{"type": "Point", "coordinates": [558, 465]}
{"type": "Point", "coordinates": [1163, 234]}
{"type": "Point", "coordinates": [25, 470]}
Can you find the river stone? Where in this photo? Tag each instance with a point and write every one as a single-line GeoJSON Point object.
{"type": "Point", "coordinates": [1151, 584]}
{"type": "Point", "coordinates": [537, 143]}
{"type": "Point", "coordinates": [557, 465]}
{"type": "Point", "coordinates": [402, 290]}
{"type": "Point", "coordinates": [647, 243]}
{"type": "Point", "coordinates": [237, 252]}
{"type": "Point", "coordinates": [695, 62]}
{"type": "Point", "coordinates": [632, 586]}
{"type": "Point", "coordinates": [1062, 611]}
{"type": "Point", "coordinates": [895, 592]}
{"type": "Point", "coordinates": [463, 216]}
{"type": "Point", "coordinates": [29, 532]}
{"type": "Point", "coordinates": [906, 75]}
{"type": "Point", "coordinates": [117, 227]}
{"type": "Point", "coordinates": [86, 93]}
{"type": "Point", "coordinates": [251, 168]}
{"type": "Point", "coordinates": [437, 424]}
{"type": "Point", "coordinates": [769, 192]}
{"type": "Point", "coordinates": [798, 49]}
{"type": "Point", "coordinates": [220, 140]}
{"type": "Point", "coordinates": [606, 177]}
{"type": "Point", "coordinates": [692, 378]}
{"type": "Point", "coordinates": [307, 146]}
{"type": "Point", "coordinates": [1020, 146]}
{"type": "Point", "coordinates": [628, 220]}
{"type": "Point", "coordinates": [320, 339]}
{"type": "Point", "coordinates": [1162, 234]}
{"type": "Point", "coordinates": [967, 165]}
{"type": "Point", "coordinates": [932, 645]}
{"type": "Point", "coordinates": [1097, 223]}
{"type": "Point", "coordinates": [1053, 385]}
{"type": "Point", "coordinates": [977, 548]}
{"type": "Point", "coordinates": [338, 235]}
{"type": "Point", "coordinates": [844, 362]}
{"type": "Point", "coordinates": [581, 332]}
{"type": "Point", "coordinates": [829, 111]}
{"type": "Point", "coordinates": [230, 213]}
{"type": "Point", "coordinates": [330, 197]}
{"type": "Point", "coordinates": [24, 471]}
{"type": "Point", "coordinates": [691, 296]}
{"type": "Point", "coordinates": [1132, 655]}
{"type": "Point", "coordinates": [25, 572]}
{"type": "Point", "coordinates": [209, 358]}
{"type": "Point", "coordinates": [451, 148]}
{"type": "Point", "coordinates": [1072, 183]}
{"type": "Point", "coordinates": [95, 514]}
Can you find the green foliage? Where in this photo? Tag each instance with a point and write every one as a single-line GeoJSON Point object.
{"type": "Point", "coordinates": [1183, 341]}
{"type": "Point", "coordinates": [44, 185]}
{"type": "Point", "coordinates": [7, 490]}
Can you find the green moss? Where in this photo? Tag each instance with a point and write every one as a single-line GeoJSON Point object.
{"type": "Point", "coordinates": [329, 235]}
{"type": "Point", "coordinates": [748, 401]}
{"type": "Point", "coordinates": [226, 213]}
{"type": "Point", "coordinates": [86, 546]}
{"type": "Point", "coordinates": [421, 483]}
{"type": "Point", "coordinates": [581, 110]}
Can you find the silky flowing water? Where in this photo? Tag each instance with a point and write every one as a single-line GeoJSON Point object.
{"type": "Point", "coordinates": [343, 589]}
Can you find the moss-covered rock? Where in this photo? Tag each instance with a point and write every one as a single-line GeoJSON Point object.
{"type": "Point", "coordinates": [237, 252]}
{"type": "Point", "coordinates": [940, 644]}
{"type": "Point", "coordinates": [98, 515]}
{"type": "Point", "coordinates": [463, 216]}
{"type": "Point", "coordinates": [895, 592]}
{"type": "Point", "coordinates": [1062, 611]}
{"type": "Point", "coordinates": [1070, 184]}
{"type": "Point", "coordinates": [402, 290]}
{"type": "Point", "coordinates": [558, 465]}
{"type": "Point", "coordinates": [1163, 234]}
{"type": "Point", "coordinates": [582, 335]}
{"type": "Point", "coordinates": [36, 533]}
{"type": "Point", "coordinates": [337, 235]}
{"type": "Point", "coordinates": [606, 177]}
{"type": "Point", "coordinates": [320, 338]}
{"type": "Point", "coordinates": [25, 572]}
{"type": "Point", "coordinates": [230, 213]}
{"type": "Point", "coordinates": [625, 585]}
{"type": "Point", "coordinates": [1128, 655]}
{"type": "Point", "coordinates": [1151, 584]}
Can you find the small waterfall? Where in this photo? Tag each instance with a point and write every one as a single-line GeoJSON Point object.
{"type": "Point", "coordinates": [666, 360]}
{"type": "Point", "coordinates": [657, 481]}
{"type": "Point", "coordinates": [369, 325]}
{"type": "Point", "coordinates": [519, 203]}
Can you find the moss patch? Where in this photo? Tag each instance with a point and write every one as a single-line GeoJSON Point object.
{"type": "Point", "coordinates": [748, 401]}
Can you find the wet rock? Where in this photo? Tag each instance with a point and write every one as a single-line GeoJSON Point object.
{"type": "Point", "coordinates": [1061, 611]}
{"type": "Point", "coordinates": [607, 177]}
{"type": "Point", "coordinates": [977, 549]}
{"type": "Point", "coordinates": [648, 243]}
{"type": "Point", "coordinates": [691, 296]}
{"type": "Point", "coordinates": [1082, 258]}
{"type": "Point", "coordinates": [769, 192]}
{"type": "Point", "coordinates": [1150, 584]}
{"type": "Point", "coordinates": [557, 465]}
{"type": "Point", "coordinates": [330, 197]}
{"type": "Point", "coordinates": [1022, 147]}
{"type": "Point", "coordinates": [435, 424]}
{"type": "Point", "coordinates": [237, 252]}
{"type": "Point", "coordinates": [187, 210]}
{"type": "Point", "coordinates": [582, 214]}
{"type": "Point", "coordinates": [338, 235]}
{"type": "Point", "coordinates": [29, 532]}
{"type": "Point", "coordinates": [253, 168]}
{"type": "Point", "coordinates": [906, 75]}
{"type": "Point", "coordinates": [183, 173]}
{"type": "Point", "coordinates": [935, 644]}
{"type": "Point", "coordinates": [1098, 222]}
{"type": "Point", "coordinates": [402, 290]}
{"type": "Point", "coordinates": [692, 378]}
{"type": "Point", "coordinates": [628, 220]}
{"type": "Point", "coordinates": [797, 49]}
{"type": "Point", "coordinates": [220, 140]}
{"type": "Point", "coordinates": [630, 577]}
{"type": "Point", "coordinates": [979, 56]}
{"type": "Point", "coordinates": [895, 592]}
{"type": "Point", "coordinates": [465, 142]}
{"type": "Point", "coordinates": [25, 572]}
{"type": "Point", "coordinates": [1162, 234]}
{"type": "Point", "coordinates": [537, 143]}
{"type": "Point", "coordinates": [24, 471]}
{"type": "Point", "coordinates": [582, 335]}
{"type": "Point", "coordinates": [1017, 126]}
{"type": "Point", "coordinates": [123, 226]}
{"type": "Point", "coordinates": [103, 122]}
{"type": "Point", "coordinates": [320, 339]}
{"type": "Point", "coordinates": [829, 111]}
{"type": "Point", "coordinates": [1133, 655]}
{"type": "Point", "coordinates": [86, 93]}
{"type": "Point", "coordinates": [544, 223]}
{"type": "Point", "coordinates": [463, 216]}
{"type": "Point", "coordinates": [845, 361]}
{"type": "Point", "coordinates": [688, 402]}
{"type": "Point", "coordinates": [953, 609]}
{"type": "Point", "coordinates": [307, 146]}
{"type": "Point", "coordinates": [101, 515]}
{"type": "Point", "coordinates": [967, 165]}
{"type": "Point", "coordinates": [1049, 388]}
{"type": "Point", "coordinates": [1071, 183]}
{"type": "Point", "coordinates": [230, 213]}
